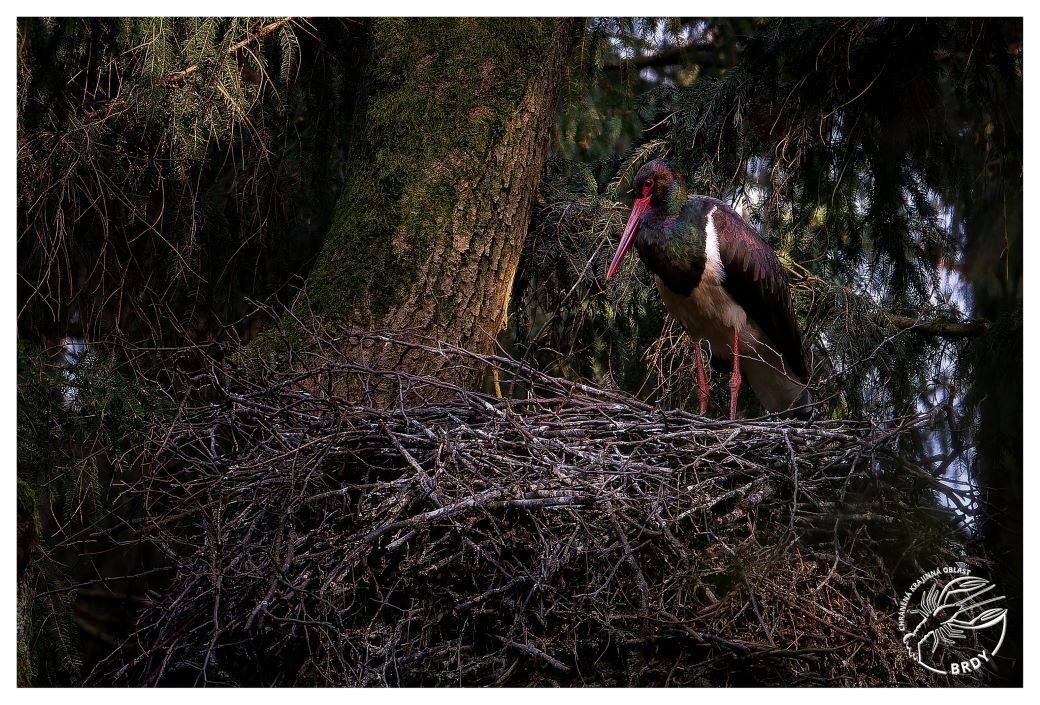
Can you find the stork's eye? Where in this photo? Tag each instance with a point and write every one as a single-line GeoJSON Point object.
{"type": "Point", "coordinates": [648, 182]}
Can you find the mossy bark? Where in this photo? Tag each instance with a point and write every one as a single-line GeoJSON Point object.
{"type": "Point", "coordinates": [451, 133]}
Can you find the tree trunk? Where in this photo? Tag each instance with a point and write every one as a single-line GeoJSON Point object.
{"type": "Point", "coordinates": [451, 132]}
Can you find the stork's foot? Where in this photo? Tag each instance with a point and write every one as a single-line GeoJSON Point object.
{"type": "Point", "coordinates": [735, 378]}
{"type": "Point", "coordinates": [734, 392]}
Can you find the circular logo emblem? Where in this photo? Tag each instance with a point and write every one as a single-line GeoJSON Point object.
{"type": "Point", "coordinates": [952, 621]}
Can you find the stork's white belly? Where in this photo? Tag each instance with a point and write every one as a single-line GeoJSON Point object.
{"type": "Point", "coordinates": [710, 313]}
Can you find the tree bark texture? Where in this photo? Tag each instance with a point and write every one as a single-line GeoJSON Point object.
{"type": "Point", "coordinates": [451, 132]}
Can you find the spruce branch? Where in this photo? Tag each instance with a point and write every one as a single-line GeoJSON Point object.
{"type": "Point", "coordinates": [946, 329]}
{"type": "Point", "coordinates": [259, 34]}
{"type": "Point", "coordinates": [939, 327]}
{"type": "Point", "coordinates": [700, 54]}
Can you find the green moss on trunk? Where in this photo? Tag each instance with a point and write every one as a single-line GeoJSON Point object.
{"type": "Point", "coordinates": [435, 92]}
{"type": "Point", "coordinates": [449, 137]}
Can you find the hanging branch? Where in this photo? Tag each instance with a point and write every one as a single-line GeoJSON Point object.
{"type": "Point", "coordinates": [260, 34]}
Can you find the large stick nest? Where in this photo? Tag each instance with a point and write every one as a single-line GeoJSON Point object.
{"type": "Point", "coordinates": [576, 536]}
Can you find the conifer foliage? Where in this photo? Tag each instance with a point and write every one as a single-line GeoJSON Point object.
{"type": "Point", "coordinates": [158, 157]}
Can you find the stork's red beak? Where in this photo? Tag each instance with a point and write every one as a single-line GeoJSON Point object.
{"type": "Point", "coordinates": [628, 237]}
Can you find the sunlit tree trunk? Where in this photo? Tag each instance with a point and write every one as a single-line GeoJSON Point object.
{"type": "Point", "coordinates": [451, 134]}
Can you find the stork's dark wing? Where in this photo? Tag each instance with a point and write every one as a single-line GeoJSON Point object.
{"type": "Point", "coordinates": [756, 280]}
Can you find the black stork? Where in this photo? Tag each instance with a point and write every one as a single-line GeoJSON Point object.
{"type": "Point", "coordinates": [723, 283]}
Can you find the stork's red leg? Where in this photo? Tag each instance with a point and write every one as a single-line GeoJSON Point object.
{"type": "Point", "coordinates": [734, 379]}
{"type": "Point", "coordinates": [702, 382]}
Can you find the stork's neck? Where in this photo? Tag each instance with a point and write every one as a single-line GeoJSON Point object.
{"type": "Point", "coordinates": [673, 245]}
{"type": "Point", "coordinates": [676, 197]}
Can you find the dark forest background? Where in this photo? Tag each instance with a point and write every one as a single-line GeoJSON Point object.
{"type": "Point", "coordinates": [189, 187]}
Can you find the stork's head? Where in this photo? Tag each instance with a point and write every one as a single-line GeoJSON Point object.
{"type": "Point", "coordinates": [657, 180]}
{"type": "Point", "coordinates": [656, 186]}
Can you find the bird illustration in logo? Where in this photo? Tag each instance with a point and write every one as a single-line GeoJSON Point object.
{"type": "Point", "coordinates": [950, 613]}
